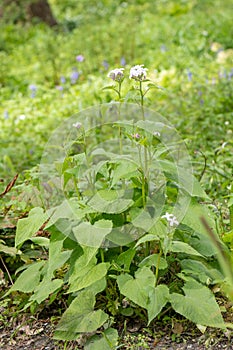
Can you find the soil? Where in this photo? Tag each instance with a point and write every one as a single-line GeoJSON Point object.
{"type": "Point", "coordinates": [27, 333]}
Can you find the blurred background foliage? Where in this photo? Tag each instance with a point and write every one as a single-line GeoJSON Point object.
{"type": "Point", "coordinates": [185, 44]}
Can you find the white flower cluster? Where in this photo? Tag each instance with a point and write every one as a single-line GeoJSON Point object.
{"type": "Point", "coordinates": [138, 72]}
{"type": "Point", "coordinates": [116, 74]}
{"type": "Point", "coordinates": [77, 125]}
{"type": "Point", "coordinates": [171, 219]}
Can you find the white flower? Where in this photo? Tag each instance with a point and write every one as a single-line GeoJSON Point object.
{"type": "Point", "coordinates": [171, 219]}
{"type": "Point", "coordinates": [77, 125]}
{"type": "Point", "coordinates": [116, 74]}
{"type": "Point", "coordinates": [22, 117]}
{"type": "Point", "coordinates": [138, 72]}
{"type": "Point", "coordinates": [156, 133]}
{"type": "Point", "coordinates": [136, 136]}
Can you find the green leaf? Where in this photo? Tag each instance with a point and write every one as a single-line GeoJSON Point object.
{"type": "Point", "coordinates": [8, 250]}
{"type": "Point", "coordinates": [110, 202]}
{"type": "Point", "coordinates": [29, 279]}
{"type": "Point", "coordinates": [98, 286]}
{"type": "Point", "coordinates": [124, 170]}
{"type": "Point", "coordinates": [158, 298]}
{"type": "Point", "coordinates": [44, 289]}
{"type": "Point", "coordinates": [137, 289]}
{"type": "Point", "coordinates": [126, 258]}
{"type": "Point", "coordinates": [107, 341]}
{"type": "Point", "coordinates": [183, 179]}
{"type": "Point", "coordinates": [205, 273]}
{"type": "Point", "coordinates": [82, 264]}
{"type": "Point", "coordinates": [57, 257]}
{"type": "Point", "coordinates": [122, 236]}
{"type": "Point", "coordinates": [94, 274]}
{"type": "Point", "coordinates": [152, 260]}
{"type": "Point", "coordinates": [27, 227]}
{"type": "Point", "coordinates": [142, 219]}
{"type": "Point", "coordinates": [109, 87]}
{"type": "Point", "coordinates": [193, 215]}
{"type": "Point", "coordinates": [147, 238]}
{"type": "Point", "coordinates": [201, 243]}
{"type": "Point", "coordinates": [182, 247]}
{"type": "Point", "coordinates": [198, 305]}
{"type": "Point", "coordinates": [80, 317]}
{"type": "Point", "coordinates": [41, 241]}
{"type": "Point", "coordinates": [92, 235]}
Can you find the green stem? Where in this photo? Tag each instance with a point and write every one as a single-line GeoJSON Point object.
{"type": "Point", "coordinates": [119, 90]}
{"type": "Point", "coordinates": [76, 188]}
{"type": "Point", "coordinates": [142, 99]}
{"type": "Point", "coordinates": [143, 191]}
{"type": "Point", "coordinates": [231, 216]}
{"type": "Point", "coordinates": [102, 254]}
{"type": "Point", "coordinates": [157, 267]}
{"type": "Point", "coordinates": [147, 248]}
{"type": "Point", "coordinates": [120, 140]}
{"type": "Point", "coordinates": [145, 175]}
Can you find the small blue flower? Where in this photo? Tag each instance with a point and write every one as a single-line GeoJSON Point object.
{"type": "Point", "coordinates": [62, 80]}
{"type": "Point", "coordinates": [189, 75]}
{"type": "Point", "coordinates": [163, 48]}
{"type": "Point", "coordinates": [80, 58]}
{"type": "Point", "coordinates": [59, 87]}
{"type": "Point", "coordinates": [222, 74]}
{"type": "Point", "coordinates": [74, 77]}
{"type": "Point", "coordinates": [6, 114]}
{"type": "Point", "coordinates": [123, 61]}
{"type": "Point", "coordinates": [33, 89]}
{"type": "Point", "coordinates": [230, 75]}
{"type": "Point", "coordinates": [105, 64]}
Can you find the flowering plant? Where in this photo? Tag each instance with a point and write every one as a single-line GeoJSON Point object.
{"type": "Point", "coordinates": [138, 73]}
{"type": "Point", "coordinates": [116, 74]}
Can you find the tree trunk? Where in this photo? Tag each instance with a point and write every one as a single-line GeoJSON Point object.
{"type": "Point", "coordinates": [24, 10]}
{"type": "Point", "coordinates": [41, 10]}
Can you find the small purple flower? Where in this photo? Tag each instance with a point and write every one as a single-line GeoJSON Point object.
{"type": "Point", "coordinates": [62, 80]}
{"type": "Point", "coordinates": [33, 89]}
{"type": "Point", "coordinates": [230, 75]}
{"type": "Point", "coordinates": [80, 58]}
{"type": "Point", "coordinates": [123, 61]}
{"type": "Point", "coordinates": [6, 114]}
{"type": "Point", "coordinates": [59, 87]}
{"type": "Point", "coordinates": [77, 125]}
{"type": "Point", "coordinates": [105, 64]}
{"type": "Point", "coordinates": [74, 77]}
{"type": "Point", "coordinates": [222, 75]}
{"type": "Point", "coordinates": [189, 75]}
{"type": "Point", "coordinates": [163, 48]}
{"type": "Point", "coordinates": [136, 136]}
